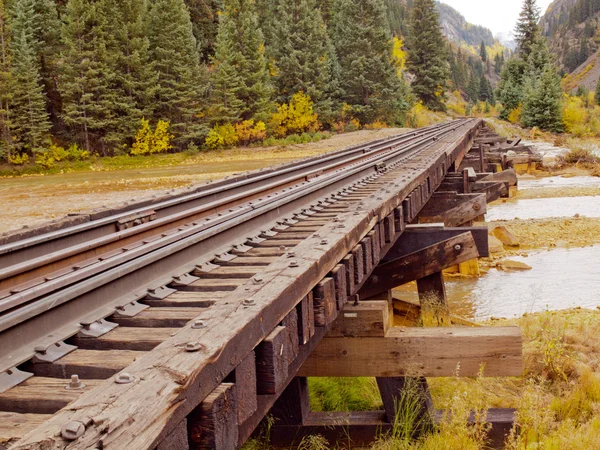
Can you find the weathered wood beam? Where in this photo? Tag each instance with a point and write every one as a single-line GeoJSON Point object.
{"type": "Point", "coordinates": [453, 209]}
{"type": "Point", "coordinates": [359, 429]}
{"type": "Point", "coordinates": [431, 352]}
{"type": "Point", "coordinates": [402, 268]}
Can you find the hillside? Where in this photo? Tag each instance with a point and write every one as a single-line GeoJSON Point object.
{"type": "Point", "coordinates": [573, 29]}
{"type": "Point", "coordinates": [454, 26]}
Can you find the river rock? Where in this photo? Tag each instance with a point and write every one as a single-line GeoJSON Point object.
{"type": "Point", "coordinates": [494, 245]}
{"type": "Point", "coordinates": [508, 264]}
{"type": "Point", "coordinates": [505, 236]}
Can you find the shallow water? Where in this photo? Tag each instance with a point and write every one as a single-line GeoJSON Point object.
{"type": "Point", "coordinates": [559, 279]}
{"type": "Point", "coordinates": [558, 182]}
{"type": "Point", "coordinates": [541, 208]}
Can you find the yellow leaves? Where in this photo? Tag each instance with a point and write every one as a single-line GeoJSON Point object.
{"type": "Point", "coordinates": [221, 136]}
{"type": "Point", "coordinates": [148, 141]}
{"type": "Point", "coordinates": [399, 55]}
{"type": "Point", "coordinates": [515, 115]}
{"type": "Point", "coordinates": [228, 135]}
{"type": "Point", "coordinates": [296, 117]}
{"type": "Point", "coordinates": [246, 132]}
{"type": "Point", "coordinates": [18, 160]}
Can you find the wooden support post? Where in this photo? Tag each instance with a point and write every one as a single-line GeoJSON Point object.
{"type": "Point", "coordinates": [481, 158]}
{"type": "Point", "coordinates": [432, 296]}
{"type": "Point", "coordinates": [465, 175]}
{"type": "Point", "coordinates": [293, 406]}
{"type": "Point", "coordinates": [324, 298]}
{"type": "Point", "coordinates": [214, 423]}
{"type": "Point", "coordinates": [401, 395]}
{"type": "Point", "coordinates": [244, 378]}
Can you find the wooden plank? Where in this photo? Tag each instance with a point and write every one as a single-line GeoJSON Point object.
{"type": "Point", "coordinates": [339, 279]}
{"type": "Point", "coordinates": [209, 285]}
{"type": "Point", "coordinates": [306, 319]}
{"type": "Point", "coordinates": [287, 242]}
{"type": "Point", "coordinates": [186, 299]}
{"type": "Point", "coordinates": [430, 352]}
{"type": "Point", "coordinates": [244, 377]}
{"type": "Point", "coordinates": [272, 362]}
{"type": "Point", "coordinates": [229, 272]}
{"type": "Point", "coordinates": [348, 263]}
{"type": "Point", "coordinates": [42, 395]}
{"type": "Point", "coordinates": [420, 264]}
{"type": "Point", "coordinates": [265, 252]}
{"type": "Point", "coordinates": [88, 364]}
{"type": "Point", "coordinates": [367, 319]}
{"type": "Point", "coordinates": [453, 209]}
{"type": "Point", "coordinates": [159, 317]}
{"type": "Point", "coordinates": [325, 305]}
{"type": "Point", "coordinates": [213, 425]}
{"type": "Point", "coordinates": [140, 415]}
{"type": "Point", "coordinates": [243, 260]}
{"type": "Point", "coordinates": [126, 338]}
{"type": "Point", "coordinates": [375, 245]}
{"type": "Point", "coordinates": [367, 250]}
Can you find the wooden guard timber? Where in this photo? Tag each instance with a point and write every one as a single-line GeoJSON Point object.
{"type": "Point", "coordinates": [198, 361]}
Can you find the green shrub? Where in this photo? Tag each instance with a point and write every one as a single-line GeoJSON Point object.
{"type": "Point", "coordinates": [221, 136]}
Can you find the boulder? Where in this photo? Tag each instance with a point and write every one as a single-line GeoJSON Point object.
{"type": "Point", "coordinates": [494, 244]}
{"type": "Point", "coordinates": [508, 264]}
{"type": "Point", "coordinates": [505, 236]}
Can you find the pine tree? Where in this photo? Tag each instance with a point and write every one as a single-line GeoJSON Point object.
{"type": "Point", "coordinates": [204, 15]}
{"type": "Point", "coordinates": [29, 121]}
{"type": "Point", "coordinates": [302, 53]}
{"type": "Point", "coordinates": [181, 82]}
{"type": "Point", "coordinates": [473, 88]}
{"type": "Point", "coordinates": [369, 81]}
{"type": "Point", "coordinates": [85, 76]}
{"type": "Point", "coordinates": [510, 87]}
{"type": "Point", "coordinates": [598, 92]}
{"type": "Point", "coordinates": [483, 52]}
{"type": "Point", "coordinates": [527, 29]}
{"type": "Point", "coordinates": [6, 81]}
{"type": "Point", "coordinates": [485, 90]}
{"type": "Point", "coordinates": [426, 55]}
{"type": "Point", "coordinates": [240, 82]}
{"type": "Point", "coordinates": [130, 89]}
{"type": "Point", "coordinates": [542, 98]}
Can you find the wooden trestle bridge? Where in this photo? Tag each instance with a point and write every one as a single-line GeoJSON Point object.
{"type": "Point", "coordinates": [183, 321]}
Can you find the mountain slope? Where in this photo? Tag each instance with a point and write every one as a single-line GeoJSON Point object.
{"type": "Point", "coordinates": [573, 27]}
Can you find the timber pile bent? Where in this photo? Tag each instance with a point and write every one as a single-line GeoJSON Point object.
{"type": "Point", "coordinates": [180, 323]}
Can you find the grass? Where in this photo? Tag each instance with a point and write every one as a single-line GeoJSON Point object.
{"type": "Point", "coordinates": [558, 397]}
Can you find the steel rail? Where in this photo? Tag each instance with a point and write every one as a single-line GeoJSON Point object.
{"type": "Point", "coordinates": [93, 247]}
{"type": "Point", "coordinates": [97, 297]}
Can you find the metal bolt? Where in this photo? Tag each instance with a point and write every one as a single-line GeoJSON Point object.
{"type": "Point", "coordinates": [293, 263]}
{"type": "Point", "coordinates": [193, 347]}
{"type": "Point", "coordinates": [249, 302]}
{"type": "Point", "coordinates": [458, 247]}
{"type": "Point", "coordinates": [291, 254]}
{"type": "Point", "coordinates": [198, 324]}
{"type": "Point", "coordinates": [257, 279]}
{"type": "Point", "coordinates": [75, 383]}
{"type": "Point", "coordinates": [72, 430]}
{"type": "Point", "coordinates": [124, 378]}
{"type": "Point", "coordinates": [282, 248]}
{"type": "Point", "coordinates": [324, 241]}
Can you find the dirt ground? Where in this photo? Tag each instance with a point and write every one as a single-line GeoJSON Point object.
{"type": "Point", "coordinates": [29, 201]}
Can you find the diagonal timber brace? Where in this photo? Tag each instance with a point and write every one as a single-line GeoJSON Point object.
{"type": "Point", "coordinates": [453, 209]}
{"type": "Point", "coordinates": [423, 251]}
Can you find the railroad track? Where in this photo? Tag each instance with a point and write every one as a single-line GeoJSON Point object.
{"type": "Point", "coordinates": [79, 304]}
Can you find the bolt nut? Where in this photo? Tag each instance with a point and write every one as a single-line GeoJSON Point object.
{"type": "Point", "coordinates": [324, 241]}
{"type": "Point", "coordinates": [257, 279]}
{"type": "Point", "coordinates": [249, 302]}
{"type": "Point", "coordinates": [458, 247]}
{"type": "Point", "coordinates": [199, 324]}
{"type": "Point", "coordinates": [124, 378]}
{"type": "Point", "coordinates": [282, 248]}
{"type": "Point", "coordinates": [293, 263]}
{"type": "Point", "coordinates": [476, 207]}
{"type": "Point", "coordinates": [75, 383]}
{"type": "Point", "coordinates": [291, 254]}
{"type": "Point", "coordinates": [193, 347]}
{"type": "Point", "coordinates": [72, 430]}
